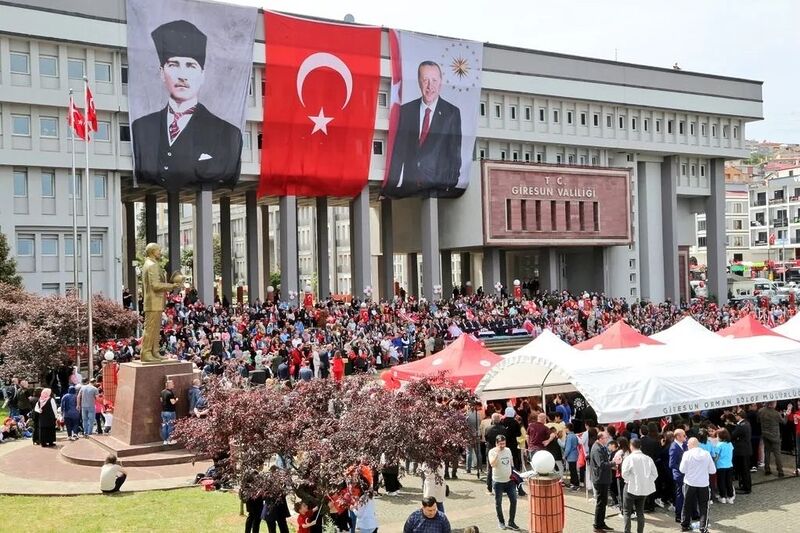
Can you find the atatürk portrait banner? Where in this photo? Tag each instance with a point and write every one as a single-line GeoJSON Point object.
{"type": "Point", "coordinates": [189, 69]}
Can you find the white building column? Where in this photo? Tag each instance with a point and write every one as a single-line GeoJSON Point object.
{"type": "Point", "coordinates": [290, 279]}
{"type": "Point", "coordinates": [360, 244]}
{"type": "Point", "coordinates": [251, 240]}
{"type": "Point", "coordinates": [387, 251]}
{"type": "Point", "coordinates": [323, 251]}
{"type": "Point", "coordinates": [431, 257]}
{"type": "Point", "coordinates": [226, 249]}
{"type": "Point", "coordinates": [651, 244]}
{"type": "Point", "coordinates": [203, 247]}
{"type": "Point", "coordinates": [549, 271]}
{"type": "Point", "coordinates": [494, 269]}
{"type": "Point", "coordinates": [669, 225]}
{"type": "Point", "coordinates": [413, 276]}
{"type": "Point", "coordinates": [716, 262]}
{"type": "Point", "coordinates": [130, 253]}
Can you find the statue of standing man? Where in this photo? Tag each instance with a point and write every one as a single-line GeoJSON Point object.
{"type": "Point", "coordinates": [155, 287]}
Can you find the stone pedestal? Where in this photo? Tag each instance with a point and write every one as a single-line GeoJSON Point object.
{"type": "Point", "coordinates": [137, 411]}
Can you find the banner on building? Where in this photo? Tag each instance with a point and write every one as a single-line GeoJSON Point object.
{"type": "Point", "coordinates": [320, 97]}
{"type": "Point", "coordinates": [189, 69]}
{"type": "Point", "coordinates": [436, 86]}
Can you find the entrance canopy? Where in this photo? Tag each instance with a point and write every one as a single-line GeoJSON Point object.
{"type": "Point", "coordinates": [465, 361]}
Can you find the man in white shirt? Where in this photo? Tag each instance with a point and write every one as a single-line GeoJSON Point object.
{"type": "Point", "coordinates": [112, 476]}
{"type": "Point", "coordinates": [696, 466]}
{"type": "Point", "coordinates": [502, 461]}
{"type": "Point", "coordinates": [640, 473]}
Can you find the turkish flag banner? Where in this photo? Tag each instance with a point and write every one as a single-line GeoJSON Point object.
{"type": "Point", "coordinates": [320, 96]}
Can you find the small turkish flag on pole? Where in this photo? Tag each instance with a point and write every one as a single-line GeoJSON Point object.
{"type": "Point", "coordinates": [320, 96]}
{"type": "Point", "coordinates": [771, 239]}
{"type": "Point", "coordinates": [75, 120]}
{"type": "Point", "coordinates": [91, 112]}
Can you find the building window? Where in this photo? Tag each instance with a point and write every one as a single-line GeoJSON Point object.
{"type": "Point", "coordinates": [693, 170]}
{"type": "Point", "coordinates": [21, 125]}
{"type": "Point", "coordinates": [633, 123]}
{"type": "Point", "coordinates": [583, 119]}
{"type": "Point", "coordinates": [702, 170]}
{"type": "Point", "coordinates": [571, 159]}
{"type": "Point", "coordinates": [377, 147]}
{"type": "Point", "coordinates": [539, 157]}
{"type": "Point", "coordinates": [542, 114]}
{"type": "Point", "coordinates": [701, 225]}
{"type": "Point", "coordinates": [102, 72]}
{"type": "Point", "coordinates": [724, 132]}
{"type": "Point", "coordinates": [20, 183]}
{"type": "Point", "coordinates": [48, 127]}
{"type": "Point", "coordinates": [503, 155]}
{"type": "Point", "coordinates": [596, 120]}
{"type": "Point", "coordinates": [582, 160]}
{"type": "Point", "coordinates": [681, 127]}
{"type": "Point", "coordinates": [382, 99]}
{"type": "Point", "coordinates": [97, 245]}
{"type": "Point", "coordinates": [78, 183]}
{"type": "Point", "coordinates": [555, 116]}
{"type": "Point", "coordinates": [683, 169]}
{"type": "Point", "coordinates": [703, 129]}
{"type": "Point", "coordinates": [25, 245]}
{"type": "Point", "coordinates": [48, 66]}
{"type": "Point", "coordinates": [569, 117]}
{"type": "Point", "coordinates": [609, 121]}
{"type": "Point", "coordinates": [125, 135]}
{"type": "Point", "coordinates": [100, 186]}
{"type": "Point", "coordinates": [76, 69]}
{"type": "Point", "coordinates": [691, 128]}
{"type": "Point", "coordinates": [595, 161]}
{"type": "Point", "coordinates": [20, 63]}
{"type": "Point", "coordinates": [701, 242]}
{"type": "Point", "coordinates": [713, 130]}
{"type": "Point", "coordinates": [512, 112]}
{"type": "Point", "coordinates": [48, 184]}
{"type": "Point", "coordinates": [558, 158]}
{"type": "Point", "coordinates": [669, 126]}
{"type": "Point", "coordinates": [736, 132]}
{"type": "Point", "coordinates": [658, 125]}
{"type": "Point", "coordinates": [498, 111]}
{"type": "Point", "coordinates": [646, 124]}
{"type": "Point", "coordinates": [123, 74]}
{"type": "Point", "coordinates": [483, 109]}
{"type": "Point", "coordinates": [528, 112]}
{"type": "Point", "coordinates": [527, 157]}
{"type": "Point", "coordinates": [49, 245]}
{"type": "Point", "coordinates": [103, 132]}
{"type": "Point", "coordinates": [622, 122]}
{"type": "Point", "coordinates": [50, 289]}
{"type": "Point", "coordinates": [481, 154]}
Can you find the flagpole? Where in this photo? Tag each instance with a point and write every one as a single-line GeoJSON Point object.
{"type": "Point", "coordinates": [75, 247]}
{"type": "Point", "coordinates": [89, 339]}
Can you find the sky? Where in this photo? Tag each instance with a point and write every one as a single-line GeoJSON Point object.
{"type": "Point", "coordinates": [756, 40]}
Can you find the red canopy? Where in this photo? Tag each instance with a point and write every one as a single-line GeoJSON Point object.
{"type": "Point", "coordinates": [747, 326]}
{"type": "Point", "coordinates": [466, 361]}
{"type": "Point", "coordinates": [619, 335]}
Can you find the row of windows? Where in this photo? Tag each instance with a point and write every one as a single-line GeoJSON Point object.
{"type": "Point", "coordinates": [49, 128]}
{"type": "Point", "coordinates": [20, 63]}
{"type": "Point", "coordinates": [48, 184]}
{"type": "Point", "coordinates": [49, 245]}
{"type": "Point", "coordinates": [528, 157]}
{"type": "Point", "coordinates": [622, 122]}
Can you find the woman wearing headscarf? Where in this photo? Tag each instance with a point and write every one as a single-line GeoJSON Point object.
{"type": "Point", "coordinates": [46, 421]}
{"type": "Point", "coordinates": [69, 410]}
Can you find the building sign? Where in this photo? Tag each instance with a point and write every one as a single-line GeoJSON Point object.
{"type": "Point", "coordinates": [530, 205]}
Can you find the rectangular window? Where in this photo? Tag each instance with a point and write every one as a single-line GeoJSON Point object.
{"type": "Point", "coordinates": [48, 184]}
{"type": "Point", "coordinates": [691, 128]}
{"type": "Point", "coordinates": [646, 124]}
{"type": "Point", "coordinates": [542, 114]}
{"type": "Point", "coordinates": [693, 170]}
{"type": "Point", "coordinates": [49, 245]}
{"type": "Point", "coordinates": [503, 155]}
{"type": "Point", "coordinates": [669, 126]}
{"type": "Point", "coordinates": [100, 186]}
{"type": "Point", "coordinates": [633, 123]}
{"type": "Point", "coordinates": [123, 74]}
{"type": "Point", "coordinates": [20, 63]}
{"type": "Point", "coordinates": [49, 289]}
{"type": "Point", "coordinates": [658, 125]}
{"type": "Point", "coordinates": [555, 116]}
{"type": "Point", "coordinates": [539, 157]}
{"type": "Point", "coordinates": [382, 99]}
{"type": "Point", "coordinates": [553, 218]}
{"type": "Point", "coordinates": [21, 125]}
{"type": "Point", "coordinates": [512, 112]}
{"type": "Point", "coordinates": [377, 147]}
{"type": "Point", "coordinates": [102, 72]}
{"type": "Point", "coordinates": [76, 69]}
{"type": "Point", "coordinates": [515, 156]}
{"type": "Point", "coordinates": [483, 109]}
{"type": "Point", "coordinates": [125, 134]}
{"type": "Point", "coordinates": [568, 215]}
{"type": "Point", "coordinates": [528, 112]}
{"type": "Point", "coordinates": [571, 159]}
{"type": "Point", "coordinates": [736, 132]}
{"type": "Point", "coordinates": [681, 127]}
{"type": "Point", "coordinates": [594, 160]}
{"type": "Point", "coordinates": [596, 216]}
{"type": "Point", "coordinates": [582, 160]}
{"type": "Point", "coordinates": [508, 214]}
{"type": "Point", "coordinates": [78, 183]}
{"type": "Point", "coordinates": [581, 216]}
{"type": "Point", "coordinates": [48, 66]}
{"type": "Point", "coordinates": [558, 158]}
{"type": "Point", "coordinates": [20, 183]}
{"type": "Point", "coordinates": [683, 169]}
{"type": "Point", "coordinates": [524, 214]}
{"type": "Point", "coordinates": [537, 208]}
{"type": "Point", "coordinates": [702, 170]}
{"type": "Point", "coordinates": [103, 132]}
{"type": "Point", "coordinates": [48, 127]}
{"type": "Point", "coordinates": [713, 130]}
{"type": "Point", "coordinates": [724, 132]}
{"type": "Point", "coordinates": [622, 122]}
{"type": "Point", "coordinates": [609, 121]}
{"type": "Point", "coordinates": [703, 129]}
{"type": "Point", "coordinates": [97, 245]}
{"type": "Point", "coordinates": [25, 245]}
{"type": "Point", "coordinates": [498, 111]}
{"type": "Point", "coordinates": [596, 120]}
{"type": "Point", "coordinates": [482, 154]}
{"type": "Point", "coordinates": [527, 157]}
{"type": "Point", "coordinates": [569, 117]}
{"type": "Point", "coordinates": [583, 119]}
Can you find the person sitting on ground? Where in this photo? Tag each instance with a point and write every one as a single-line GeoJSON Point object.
{"type": "Point", "coordinates": [429, 518]}
{"type": "Point", "coordinates": [112, 476]}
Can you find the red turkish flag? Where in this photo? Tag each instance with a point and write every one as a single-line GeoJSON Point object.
{"type": "Point", "coordinates": [91, 112]}
{"type": "Point", "coordinates": [320, 96]}
{"type": "Point", "coordinates": [75, 120]}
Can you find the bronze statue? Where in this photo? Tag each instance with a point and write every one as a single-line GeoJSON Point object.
{"type": "Point", "coordinates": [155, 287]}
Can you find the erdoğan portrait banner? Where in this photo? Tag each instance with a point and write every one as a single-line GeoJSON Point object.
{"type": "Point", "coordinates": [320, 97]}
{"type": "Point", "coordinates": [433, 118]}
{"type": "Point", "coordinates": [189, 67]}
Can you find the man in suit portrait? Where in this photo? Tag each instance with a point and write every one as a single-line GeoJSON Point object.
{"type": "Point", "coordinates": [427, 150]}
{"type": "Point", "coordinates": [184, 143]}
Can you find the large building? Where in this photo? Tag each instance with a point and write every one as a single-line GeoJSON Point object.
{"type": "Point", "coordinates": [646, 144]}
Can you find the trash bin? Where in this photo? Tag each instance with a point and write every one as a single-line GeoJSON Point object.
{"type": "Point", "coordinates": [546, 498]}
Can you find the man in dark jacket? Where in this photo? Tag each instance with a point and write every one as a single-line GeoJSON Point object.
{"type": "Point", "coordinates": [497, 428]}
{"type": "Point", "coordinates": [513, 431]}
{"type": "Point", "coordinates": [600, 471]}
{"type": "Point", "coordinates": [771, 421]}
{"type": "Point", "coordinates": [742, 450]}
{"type": "Point", "coordinates": [651, 447]}
{"type": "Point", "coordinates": [676, 450]}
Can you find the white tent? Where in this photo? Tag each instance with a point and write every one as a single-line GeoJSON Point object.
{"type": "Point", "coordinates": [791, 328]}
{"type": "Point", "coordinates": [686, 333]}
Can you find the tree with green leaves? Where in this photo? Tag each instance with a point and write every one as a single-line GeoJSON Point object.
{"type": "Point", "coordinates": [8, 266]}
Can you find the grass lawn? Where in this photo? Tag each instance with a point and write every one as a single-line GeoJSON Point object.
{"type": "Point", "coordinates": [189, 510]}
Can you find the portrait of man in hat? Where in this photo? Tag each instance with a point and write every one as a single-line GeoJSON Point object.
{"type": "Point", "coordinates": [184, 144]}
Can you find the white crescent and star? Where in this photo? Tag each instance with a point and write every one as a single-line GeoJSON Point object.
{"type": "Point", "coordinates": [323, 60]}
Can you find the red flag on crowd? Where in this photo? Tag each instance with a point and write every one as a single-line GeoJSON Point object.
{"type": "Point", "coordinates": [320, 97]}
{"type": "Point", "coordinates": [396, 96]}
{"type": "Point", "coordinates": [771, 239]}
{"type": "Point", "coordinates": [91, 112]}
{"type": "Point", "coordinates": [75, 120]}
